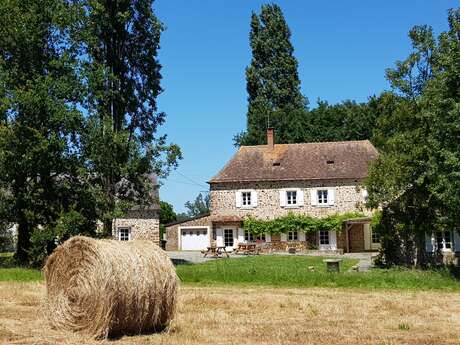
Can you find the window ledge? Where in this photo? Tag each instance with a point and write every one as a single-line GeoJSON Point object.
{"type": "Point", "coordinates": [292, 206]}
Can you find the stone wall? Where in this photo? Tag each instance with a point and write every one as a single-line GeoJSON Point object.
{"type": "Point", "coordinates": [143, 225]}
{"type": "Point", "coordinates": [348, 198]}
{"type": "Point", "coordinates": [172, 241]}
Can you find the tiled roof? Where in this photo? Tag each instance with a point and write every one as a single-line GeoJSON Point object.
{"type": "Point", "coordinates": [226, 219]}
{"type": "Point", "coordinates": [309, 161]}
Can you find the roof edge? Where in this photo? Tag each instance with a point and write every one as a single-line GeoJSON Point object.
{"type": "Point", "coordinates": [188, 220]}
{"type": "Point", "coordinates": [286, 179]}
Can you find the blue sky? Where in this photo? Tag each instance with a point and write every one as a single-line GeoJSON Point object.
{"type": "Point", "coordinates": [343, 48]}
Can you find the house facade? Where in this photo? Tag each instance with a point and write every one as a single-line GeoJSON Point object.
{"type": "Point", "coordinates": [270, 181]}
{"type": "Point", "coordinates": [140, 222]}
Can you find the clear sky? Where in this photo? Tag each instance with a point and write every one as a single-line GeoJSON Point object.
{"type": "Point", "coordinates": [343, 48]}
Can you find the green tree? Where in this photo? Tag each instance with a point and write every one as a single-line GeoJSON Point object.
{"type": "Point", "coordinates": [416, 175]}
{"type": "Point", "coordinates": [39, 119]}
{"type": "Point", "coordinates": [120, 41]}
{"type": "Point", "coordinates": [273, 83]}
{"type": "Point", "coordinates": [199, 206]}
{"type": "Point", "coordinates": [167, 214]}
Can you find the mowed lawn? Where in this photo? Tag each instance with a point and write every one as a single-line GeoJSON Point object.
{"type": "Point", "coordinates": [305, 271]}
{"type": "Point", "coordinates": [283, 271]}
{"type": "Point", "coordinates": [247, 316]}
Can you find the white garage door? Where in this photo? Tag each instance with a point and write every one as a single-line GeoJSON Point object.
{"type": "Point", "coordinates": [194, 238]}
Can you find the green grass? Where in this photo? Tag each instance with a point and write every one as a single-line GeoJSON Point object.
{"type": "Point", "coordinates": [10, 272]}
{"type": "Point", "coordinates": [285, 271]}
{"type": "Point", "coordinates": [281, 271]}
{"type": "Point", "coordinates": [20, 274]}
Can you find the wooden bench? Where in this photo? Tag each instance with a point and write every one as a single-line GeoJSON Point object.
{"type": "Point", "coordinates": [215, 251]}
{"type": "Point", "coordinates": [247, 249]}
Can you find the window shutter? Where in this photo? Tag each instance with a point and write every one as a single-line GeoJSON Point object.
{"type": "Point", "coordinates": [364, 194]}
{"type": "Point", "coordinates": [456, 245]}
{"type": "Point", "coordinates": [268, 237]}
{"type": "Point", "coordinates": [331, 196]}
{"type": "Point", "coordinates": [240, 235]}
{"type": "Point", "coordinates": [301, 236]}
{"type": "Point", "coordinates": [300, 200]}
{"type": "Point", "coordinates": [238, 198]}
{"type": "Point", "coordinates": [254, 198]}
{"type": "Point", "coordinates": [219, 237]}
{"type": "Point", "coordinates": [313, 197]}
{"type": "Point", "coordinates": [283, 237]}
{"type": "Point", "coordinates": [282, 198]}
{"type": "Point", "coordinates": [333, 239]}
{"type": "Point", "coordinates": [429, 242]}
{"type": "Point", "coordinates": [367, 236]}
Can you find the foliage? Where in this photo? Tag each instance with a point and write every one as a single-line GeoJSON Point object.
{"type": "Point", "coordinates": [6, 237]}
{"type": "Point", "coordinates": [298, 222]}
{"type": "Point", "coordinates": [167, 214]}
{"type": "Point", "coordinates": [39, 117]}
{"type": "Point", "coordinates": [78, 116]}
{"type": "Point", "coordinates": [292, 271]}
{"type": "Point", "coordinates": [119, 41]}
{"type": "Point", "coordinates": [272, 80]}
{"type": "Point", "coordinates": [416, 176]}
{"type": "Point", "coordinates": [275, 100]}
{"type": "Point", "coordinates": [199, 206]}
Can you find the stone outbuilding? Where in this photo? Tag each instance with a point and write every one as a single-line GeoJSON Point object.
{"type": "Point", "coordinates": [140, 222]}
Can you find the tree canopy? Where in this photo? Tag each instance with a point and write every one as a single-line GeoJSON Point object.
{"type": "Point", "coordinates": [416, 177]}
{"type": "Point", "coordinates": [78, 116]}
{"type": "Point", "coordinates": [272, 80]}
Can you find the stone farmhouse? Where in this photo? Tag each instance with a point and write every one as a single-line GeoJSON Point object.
{"type": "Point", "coordinates": [140, 222]}
{"type": "Point", "coordinates": [269, 181]}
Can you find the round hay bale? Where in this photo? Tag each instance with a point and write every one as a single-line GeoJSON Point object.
{"type": "Point", "coordinates": [105, 287]}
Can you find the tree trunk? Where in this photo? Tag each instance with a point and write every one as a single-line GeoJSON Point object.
{"type": "Point", "coordinates": [23, 244]}
{"type": "Point", "coordinates": [108, 228]}
{"type": "Point", "coordinates": [421, 250]}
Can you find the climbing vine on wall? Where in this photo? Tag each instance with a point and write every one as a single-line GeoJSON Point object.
{"type": "Point", "coordinates": [298, 222]}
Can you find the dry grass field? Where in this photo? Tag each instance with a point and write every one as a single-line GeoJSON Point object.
{"type": "Point", "coordinates": [238, 315]}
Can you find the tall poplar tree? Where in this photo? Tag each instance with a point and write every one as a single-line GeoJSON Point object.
{"type": "Point", "coordinates": [120, 41]}
{"type": "Point", "coordinates": [273, 85]}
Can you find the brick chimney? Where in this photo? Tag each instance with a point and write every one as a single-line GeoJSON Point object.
{"type": "Point", "coordinates": [271, 137]}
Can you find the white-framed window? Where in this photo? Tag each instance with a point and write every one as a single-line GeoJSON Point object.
{"type": "Point", "coordinates": [291, 197]}
{"type": "Point", "coordinates": [293, 235]}
{"type": "Point", "coordinates": [324, 237]}
{"type": "Point", "coordinates": [248, 236]}
{"type": "Point", "coordinates": [261, 238]}
{"type": "Point", "coordinates": [246, 199]}
{"type": "Point", "coordinates": [323, 197]}
{"type": "Point", "coordinates": [444, 240]}
{"type": "Point", "coordinates": [124, 234]}
{"type": "Point", "coordinates": [375, 237]}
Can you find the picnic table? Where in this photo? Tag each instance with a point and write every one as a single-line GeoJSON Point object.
{"type": "Point", "coordinates": [215, 251]}
{"type": "Point", "coordinates": [247, 249]}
